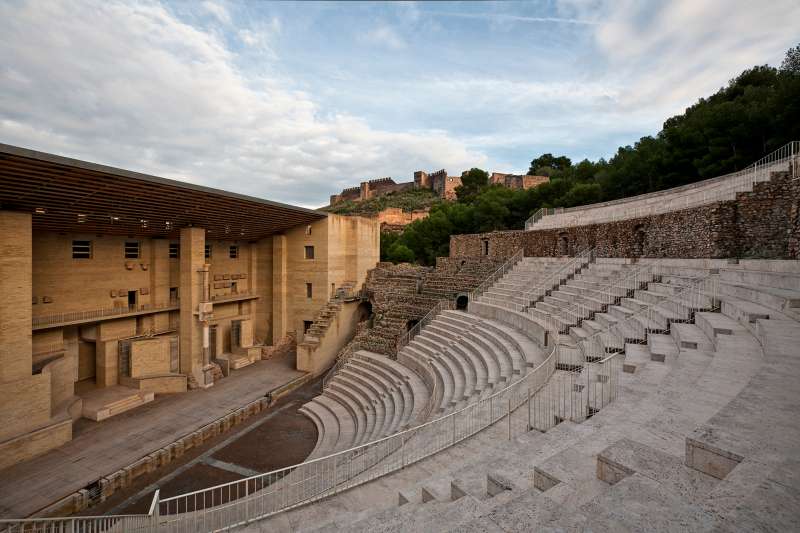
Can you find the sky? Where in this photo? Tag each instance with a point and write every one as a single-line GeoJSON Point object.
{"type": "Point", "coordinates": [294, 101]}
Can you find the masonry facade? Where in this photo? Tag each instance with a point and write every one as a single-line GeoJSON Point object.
{"type": "Point", "coordinates": [763, 223]}
{"type": "Point", "coordinates": [96, 321]}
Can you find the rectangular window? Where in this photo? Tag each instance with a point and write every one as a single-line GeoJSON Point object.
{"type": "Point", "coordinates": [309, 252]}
{"type": "Point", "coordinates": [234, 252]}
{"type": "Point", "coordinates": [174, 250]}
{"type": "Point", "coordinates": [81, 249]}
{"type": "Point", "coordinates": [131, 249]}
{"type": "Point", "coordinates": [307, 325]}
{"type": "Point", "coordinates": [485, 246]}
{"type": "Point", "coordinates": [309, 290]}
{"type": "Point", "coordinates": [208, 251]}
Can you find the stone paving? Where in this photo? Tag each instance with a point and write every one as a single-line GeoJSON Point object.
{"type": "Point", "coordinates": [98, 449]}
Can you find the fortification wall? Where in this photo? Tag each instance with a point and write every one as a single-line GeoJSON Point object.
{"type": "Point", "coordinates": [763, 223]}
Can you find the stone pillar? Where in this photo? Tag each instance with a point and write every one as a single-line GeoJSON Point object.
{"type": "Point", "coordinates": [192, 261]}
{"type": "Point", "coordinates": [159, 272]}
{"type": "Point", "coordinates": [261, 282]}
{"type": "Point", "coordinates": [280, 312]}
{"type": "Point", "coordinates": [16, 290]}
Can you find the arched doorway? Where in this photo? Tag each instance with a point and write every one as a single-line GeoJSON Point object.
{"type": "Point", "coordinates": [639, 241]}
{"type": "Point", "coordinates": [364, 314]}
{"type": "Point", "coordinates": [462, 300]}
{"type": "Point", "coordinates": [563, 244]}
{"type": "Point", "coordinates": [411, 323]}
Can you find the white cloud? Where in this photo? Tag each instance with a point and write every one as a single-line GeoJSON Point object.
{"type": "Point", "coordinates": [668, 54]}
{"type": "Point", "coordinates": [218, 11]}
{"type": "Point", "coordinates": [132, 86]}
{"type": "Point", "coordinates": [383, 35]}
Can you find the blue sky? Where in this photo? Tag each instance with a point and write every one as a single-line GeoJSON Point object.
{"type": "Point", "coordinates": [292, 102]}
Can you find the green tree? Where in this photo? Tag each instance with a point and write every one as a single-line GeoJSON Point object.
{"type": "Point", "coordinates": [472, 182]}
{"type": "Point", "coordinates": [546, 164]}
{"type": "Point", "coordinates": [400, 253]}
{"type": "Point", "coordinates": [791, 63]}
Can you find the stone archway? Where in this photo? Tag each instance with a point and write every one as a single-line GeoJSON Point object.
{"type": "Point", "coordinates": [563, 243]}
{"type": "Point", "coordinates": [462, 301]}
{"type": "Point", "coordinates": [639, 241]}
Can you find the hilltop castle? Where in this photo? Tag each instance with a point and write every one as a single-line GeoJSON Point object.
{"type": "Point", "coordinates": [439, 182]}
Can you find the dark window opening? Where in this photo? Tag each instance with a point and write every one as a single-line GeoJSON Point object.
{"type": "Point", "coordinates": [174, 250]}
{"type": "Point", "coordinates": [309, 290]}
{"type": "Point", "coordinates": [173, 294]}
{"type": "Point", "coordinates": [485, 247]}
{"type": "Point", "coordinates": [307, 325]}
{"type": "Point", "coordinates": [234, 252]}
{"type": "Point", "coordinates": [131, 249]}
{"type": "Point", "coordinates": [309, 252]}
{"type": "Point", "coordinates": [81, 249]}
{"type": "Point", "coordinates": [131, 298]}
{"type": "Point", "coordinates": [208, 251]}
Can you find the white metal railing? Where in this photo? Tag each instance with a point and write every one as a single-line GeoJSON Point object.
{"type": "Point", "coordinates": [497, 274]}
{"type": "Point", "coordinates": [582, 259]}
{"type": "Point", "coordinates": [257, 497]}
{"type": "Point", "coordinates": [79, 316]}
{"type": "Point", "coordinates": [696, 194]}
{"type": "Point", "coordinates": [87, 524]}
{"type": "Point", "coordinates": [575, 391]}
{"type": "Point", "coordinates": [598, 299]}
{"type": "Point", "coordinates": [697, 295]}
{"type": "Point", "coordinates": [409, 335]}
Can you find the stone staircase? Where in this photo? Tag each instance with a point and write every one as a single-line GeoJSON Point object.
{"type": "Point", "coordinates": [99, 404]}
{"type": "Point", "coordinates": [701, 438]}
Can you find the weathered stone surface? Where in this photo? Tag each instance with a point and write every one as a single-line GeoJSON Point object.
{"type": "Point", "coordinates": [763, 223]}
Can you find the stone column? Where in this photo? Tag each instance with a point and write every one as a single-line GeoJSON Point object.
{"type": "Point", "coordinates": [159, 272]}
{"type": "Point", "coordinates": [279, 287]}
{"type": "Point", "coordinates": [16, 288]}
{"type": "Point", "coordinates": [261, 281]}
{"type": "Point", "coordinates": [192, 261]}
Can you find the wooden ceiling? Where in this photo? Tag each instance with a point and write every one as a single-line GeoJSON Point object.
{"type": "Point", "coordinates": [68, 195]}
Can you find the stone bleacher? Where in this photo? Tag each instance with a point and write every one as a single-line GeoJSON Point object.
{"type": "Point", "coordinates": [703, 435]}
{"type": "Point", "coordinates": [718, 189]}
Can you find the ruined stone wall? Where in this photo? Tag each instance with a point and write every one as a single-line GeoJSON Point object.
{"type": "Point", "coordinates": [762, 223]}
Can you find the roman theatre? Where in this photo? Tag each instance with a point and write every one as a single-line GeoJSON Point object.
{"type": "Point", "coordinates": [630, 365]}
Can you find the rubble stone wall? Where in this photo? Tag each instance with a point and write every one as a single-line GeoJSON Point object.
{"type": "Point", "coordinates": [763, 223]}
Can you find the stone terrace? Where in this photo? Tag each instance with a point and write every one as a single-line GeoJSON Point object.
{"type": "Point", "coordinates": [702, 437]}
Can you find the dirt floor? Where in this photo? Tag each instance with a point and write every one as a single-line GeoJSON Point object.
{"type": "Point", "coordinates": [275, 438]}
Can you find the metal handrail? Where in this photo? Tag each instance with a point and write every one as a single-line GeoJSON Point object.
{"type": "Point", "coordinates": [75, 316]}
{"type": "Point", "coordinates": [701, 294]}
{"type": "Point", "coordinates": [695, 194]}
{"type": "Point", "coordinates": [549, 398]}
{"type": "Point", "coordinates": [582, 258]}
{"type": "Point", "coordinates": [497, 274]}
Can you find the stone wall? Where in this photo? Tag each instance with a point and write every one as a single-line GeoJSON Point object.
{"type": "Point", "coordinates": [403, 294]}
{"type": "Point", "coordinates": [517, 181]}
{"type": "Point", "coordinates": [762, 223]}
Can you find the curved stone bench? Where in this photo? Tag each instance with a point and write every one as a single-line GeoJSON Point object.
{"type": "Point", "coordinates": [488, 367]}
{"type": "Point", "coordinates": [346, 423]}
{"type": "Point", "coordinates": [474, 370]}
{"type": "Point", "coordinates": [330, 429]}
{"type": "Point", "coordinates": [338, 392]}
{"type": "Point", "coordinates": [404, 393]}
{"type": "Point", "coordinates": [393, 395]}
{"type": "Point", "coordinates": [451, 374]}
{"type": "Point", "coordinates": [455, 360]}
{"type": "Point", "coordinates": [366, 411]}
{"type": "Point", "coordinates": [377, 391]}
